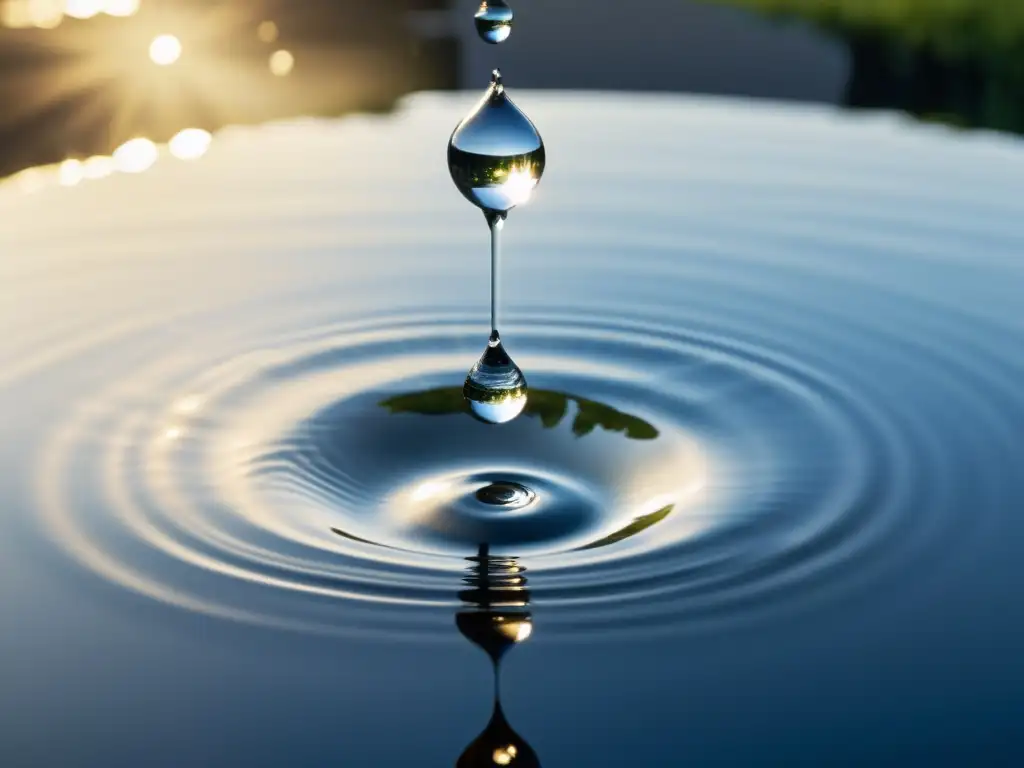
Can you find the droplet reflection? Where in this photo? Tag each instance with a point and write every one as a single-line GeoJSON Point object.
{"type": "Point", "coordinates": [495, 388]}
{"type": "Point", "coordinates": [494, 21]}
{"type": "Point", "coordinates": [495, 155]}
{"type": "Point", "coordinates": [497, 620]}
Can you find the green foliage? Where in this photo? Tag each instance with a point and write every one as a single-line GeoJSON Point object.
{"type": "Point", "coordinates": [992, 29]}
{"type": "Point", "coordinates": [960, 62]}
{"type": "Point", "coordinates": [637, 526]}
{"type": "Point", "coordinates": [549, 406]}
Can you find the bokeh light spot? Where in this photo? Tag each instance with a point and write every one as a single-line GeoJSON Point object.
{"type": "Point", "coordinates": [135, 156]}
{"type": "Point", "coordinates": [281, 63]}
{"type": "Point", "coordinates": [83, 9]}
{"type": "Point", "coordinates": [267, 32]}
{"type": "Point", "coordinates": [165, 50]}
{"type": "Point", "coordinates": [71, 172]}
{"type": "Point", "coordinates": [121, 7]}
{"type": "Point", "coordinates": [190, 143]}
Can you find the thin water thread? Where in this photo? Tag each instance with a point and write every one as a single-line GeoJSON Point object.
{"type": "Point", "coordinates": [496, 221]}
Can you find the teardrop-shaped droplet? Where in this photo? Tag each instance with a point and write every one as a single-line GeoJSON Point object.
{"type": "Point", "coordinates": [495, 387]}
{"type": "Point", "coordinates": [495, 156]}
{"type": "Point", "coordinates": [494, 21]}
{"type": "Point", "coordinates": [498, 745]}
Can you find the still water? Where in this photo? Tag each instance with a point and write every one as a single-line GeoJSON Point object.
{"type": "Point", "coordinates": [773, 440]}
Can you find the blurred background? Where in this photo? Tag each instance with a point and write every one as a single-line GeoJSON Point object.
{"type": "Point", "coordinates": [92, 84]}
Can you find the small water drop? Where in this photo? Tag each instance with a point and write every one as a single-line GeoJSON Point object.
{"type": "Point", "coordinates": [495, 155]}
{"type": "Point", "coordinates": [495, 387]}
{"type": "Point", "coordinates": [494, 21]}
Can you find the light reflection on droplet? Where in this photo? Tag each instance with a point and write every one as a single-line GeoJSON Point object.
{"type": "Point", "coordinates": [495, 156]}
{"type": "Point", "coordinates": [83, 9]}
{"type": "Point", "coordinates": [135, 156]}
{"type": "Point", "coordinates": [267, 31]}
{"type": "Point", "coordinates": [190, 144]}
{"type": "Point", "coordinates": [71, 172]}
{"type": "Point", "coordinates": [494, 21]}
{"type": "Point", "coordinates": [282, 62]}
{"type": "Point", "coordinates": [173, 433]}
{"type": "Point", "coordinates": [165, 50]}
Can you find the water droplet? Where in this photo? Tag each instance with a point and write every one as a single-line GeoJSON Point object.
{"type": "Point", "coordinates": [495, 387]}
{"type": "Point", "coordinates": [494, 21]}
{"type": "Point", "coordinates": [495, 155]}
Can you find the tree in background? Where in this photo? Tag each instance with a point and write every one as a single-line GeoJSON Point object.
{"type": "Point", "coordinates": [960, 61]}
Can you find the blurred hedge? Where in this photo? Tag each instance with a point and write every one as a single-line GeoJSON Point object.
{"type": "Point", "coordinates": [992, 29]}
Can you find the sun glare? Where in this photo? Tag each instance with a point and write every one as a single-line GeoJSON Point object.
{"type": "Point", "coordinates": [165, 50]}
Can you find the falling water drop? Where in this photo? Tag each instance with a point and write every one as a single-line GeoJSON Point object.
{"type": "Point", "coordinates": [495, 387]}
{"type": "Point", "coordinates": [496, 159]}
{"type": "Point", "coordinates": [495, 155]}
{"type": "Point", "coordinates": [494, 21]}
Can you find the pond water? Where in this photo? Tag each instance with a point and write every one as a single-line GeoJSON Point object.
{"type": "Point", "coordinates": [772, 448]}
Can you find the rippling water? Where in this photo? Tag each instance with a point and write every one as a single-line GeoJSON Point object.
{"type": "Point", "coordinates": [774, 431]}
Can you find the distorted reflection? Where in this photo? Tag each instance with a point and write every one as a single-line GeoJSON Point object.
{"type": "Point", "coordinates": [496, 618]}
{"type": "Point", "coordinates": [547, 405]}
{"type": "Point", "coordinates": [639, 525]}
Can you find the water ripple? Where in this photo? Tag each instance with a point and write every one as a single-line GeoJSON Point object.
{"type": "Point", "coordinates": [724, 427]}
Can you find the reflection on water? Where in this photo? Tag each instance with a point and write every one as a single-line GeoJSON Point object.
{"type": "Point", "coordinates": [956, 62]}
{"type": "Point", "coordinates": [773, 437]}
{"type": "Point", "coordinates": [548, 407]}
{"type": "Point", "coordinates": [498, 620]}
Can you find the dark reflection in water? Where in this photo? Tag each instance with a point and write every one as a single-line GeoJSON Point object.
{"type": "Point", "coordinates": [553, 479]}
{"type": "Point", "coordinates": [496, 619]}
{"type": "Point", "coordinates": [547, 406]}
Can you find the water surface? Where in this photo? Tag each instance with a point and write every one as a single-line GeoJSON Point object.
{"type": "Point", "coordinates": [773, 433]}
